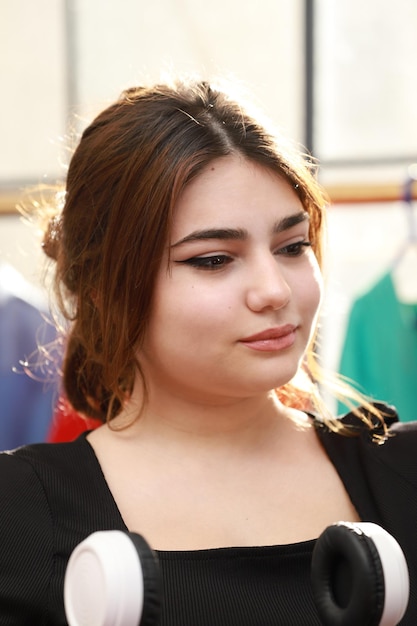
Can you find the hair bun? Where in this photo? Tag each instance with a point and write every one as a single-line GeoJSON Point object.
{"type": "Point", "coordinates": [51, 239]}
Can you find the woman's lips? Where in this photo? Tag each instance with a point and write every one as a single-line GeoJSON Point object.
{"type": "Point", "coordinates": [272, 339]}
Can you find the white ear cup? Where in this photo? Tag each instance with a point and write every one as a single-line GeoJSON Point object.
{"type": "Point", "coordinates": [104, 583]}
{"type": "Point", "coordinates": [359, 575]}
{"type": "Point", "coordinates": [394, 566]}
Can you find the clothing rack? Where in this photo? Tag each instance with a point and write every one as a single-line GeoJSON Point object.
{"type": "Point", "coordinates": [375, 193]}
{"type": "Point", "coordinates": [409, 200]}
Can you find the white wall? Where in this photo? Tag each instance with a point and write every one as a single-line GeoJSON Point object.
{"type": "Point", "coordinates": [33, 88]}
{"type": "Point", "coordinates": [110, 45]}
{"type": "Point", "coordinates": [258, 43]}
{"type": "Point", "coordinates": [56, 54]}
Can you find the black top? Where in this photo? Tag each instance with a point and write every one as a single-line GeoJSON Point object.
{"type": "Point", "coordinates": [52, 496]}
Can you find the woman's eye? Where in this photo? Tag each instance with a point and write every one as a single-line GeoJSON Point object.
{"type": "Point", "coordinates": [294, 249]}
{"type": "Point", "coordinates": [214, 262]}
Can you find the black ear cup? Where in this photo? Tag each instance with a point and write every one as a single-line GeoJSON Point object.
{"type": "Point", "coordinates": [359, 576]}
{"type": "Point", "coordinates": [112, 579]}
{"type": "Point", "coordinates": [151, 581]}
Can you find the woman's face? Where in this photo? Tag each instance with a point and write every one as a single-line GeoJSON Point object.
{"type": "Point", "coordinates": [237, 295]}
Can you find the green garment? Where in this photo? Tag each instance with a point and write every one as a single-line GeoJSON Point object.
{"type": "Point", "coordinates": [380, 348]}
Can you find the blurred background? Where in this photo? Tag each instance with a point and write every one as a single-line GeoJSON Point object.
{"type": "Point", "coordinates": [340, 78]}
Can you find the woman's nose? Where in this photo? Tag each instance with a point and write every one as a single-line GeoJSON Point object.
{"type": "Point", "coordinates": [268, 288]}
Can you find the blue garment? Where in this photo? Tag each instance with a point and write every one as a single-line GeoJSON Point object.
{"type": "Point", "coordinates": [26, 397]}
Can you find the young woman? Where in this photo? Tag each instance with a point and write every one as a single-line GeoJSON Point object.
{"type": "Point", "coordinates": [188, 253]}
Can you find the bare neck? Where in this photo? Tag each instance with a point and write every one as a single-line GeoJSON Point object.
{"type": "Point", "coordinates": [243, 423]}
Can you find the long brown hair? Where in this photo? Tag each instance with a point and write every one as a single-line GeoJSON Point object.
{"type": "Point", "coordinates": [123, 182]}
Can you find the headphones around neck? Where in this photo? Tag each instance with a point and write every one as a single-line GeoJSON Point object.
{"type": "Point", "coordinates": [359, 577]}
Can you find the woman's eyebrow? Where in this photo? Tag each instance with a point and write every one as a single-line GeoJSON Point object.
{"type": "Point", "coordinates": [290, 220]}
{"type": "Point", "coordinates": [214, 233]}
{"type": "Point", "coordinates": [241, 233]}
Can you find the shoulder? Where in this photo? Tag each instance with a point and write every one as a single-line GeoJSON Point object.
{"type": "Point", "coordinates": [26, 527]}
{"type": "Point", "coordinates": [48, 495]}
{"type": "Point", "coordinates": [28, 475]}
{"type": "Point", "coordinates": [18, 480]}
{"type": "Point", "coordinates": [35, 462]}
{"type": "Point", "coordinates": [23, 500]}
{"type": "Point", "coordinates": [383, 459]}
{"type": "Point", "coordinates": [34, 478]}
{"type": "Point", "coordinates": [398, 452]}
{"type": "Point", "coordinates": [62, 480]}
{"type": "Point", "coordinates": [44, 457]}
